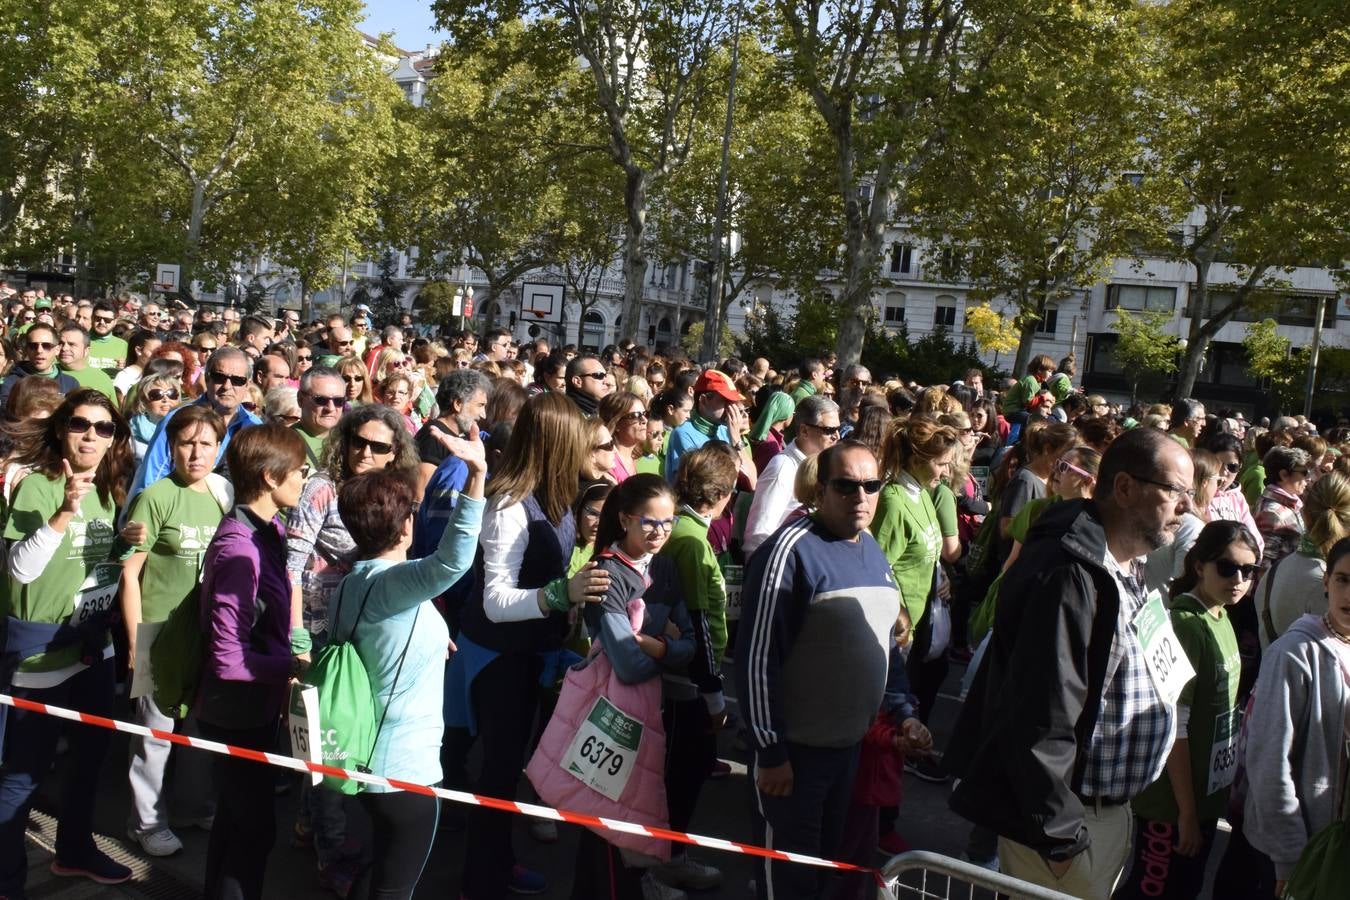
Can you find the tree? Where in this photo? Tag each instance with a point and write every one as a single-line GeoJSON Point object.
{"type": "Point", "coordinates": [437, 302]}
{"type": "Point", "coordinates": [692, 341]}
{"type": "Point", "coordinates": [1268, 358]}
{"type": "Point", "coordinates": [1253, 144]}
{"type": "Point", "coordinates": [387, 293]}
{"type": "Point", "coordinates": [649, 68]}
{"type": "Point", "coordinates": [992, 330]}
{"type": "Point", "coordinates": [1144, 346]}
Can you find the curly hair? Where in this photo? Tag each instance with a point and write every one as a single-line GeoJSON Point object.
{"type": "Point", "coordinates": [334, 457]}
{"type": "Point", "coordinates": [39, 444]}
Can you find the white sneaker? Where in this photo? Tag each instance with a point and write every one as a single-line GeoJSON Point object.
{"type": "Point", "coordinates": [683, 871]}
{"type": "Point", "coordinates": [654, 889]}
{"type": "Point", "coordinates": [545, 831]}
{"type": "Point", "coordinates": [159, 843]}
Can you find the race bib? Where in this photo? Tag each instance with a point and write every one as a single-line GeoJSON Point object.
{"type": "Point", "coordinates": [97, 594]}
{"type": "Point", "coordinates": [1223, 752]}
{"type": "Point", "coordinates": [304, 726]}
{"type": "Point", "coordinates": [734, 576]}
{"type": "Point", "coordinates": [981, 476]}
{"type": "Point", "coordinates": [1166, 661]}
{"type": "Point", "coordinates": [603, 752]}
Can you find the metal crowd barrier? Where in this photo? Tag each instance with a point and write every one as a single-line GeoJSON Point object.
{"type": "Point", "coordinates": [932, 876]}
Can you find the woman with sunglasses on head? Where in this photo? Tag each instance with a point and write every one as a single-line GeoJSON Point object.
{"type": "Point", "coordinates": [320, 551]}
{"type": "Point", "coordinates": [180, 513]}
{"type": "Point", "coordinates": [1228, 501]}
{"type": "Point", "coordinates": [355, 381]}
{"type": "Point", "coordinates": [1176, 817]}
{"type": "Point", "coordinates": [625, 415]}
{"type": "Point", "coordinates": [515, 620]}
{"type": "Point", "coordinates": [63, 573]}
{"type": "Point", "coordinates": [147, 405]}
{"type": "Point", "coordinates": [1292, 588]}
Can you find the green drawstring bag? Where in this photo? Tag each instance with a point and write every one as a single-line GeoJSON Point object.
{"type": "Point", "coordinates": [348, 708]}
{"type": "Point", "coordinates": [176, 657]}
{"type": "Point", "coordinates": [1323, 869]}
{"type": "Point", "coordinates": [983, 619]}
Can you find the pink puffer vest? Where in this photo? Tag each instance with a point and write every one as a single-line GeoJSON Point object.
{"type": "Point", "coordinates": [643, 798]}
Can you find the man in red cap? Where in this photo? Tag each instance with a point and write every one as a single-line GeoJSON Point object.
{"type": "Point", "coordinates": [718, 415]}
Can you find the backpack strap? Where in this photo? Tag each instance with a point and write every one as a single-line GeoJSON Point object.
{"type": "Point", "coordinates": [393, 687]}
{"type": "Point", "coordinates": [1267, 620]}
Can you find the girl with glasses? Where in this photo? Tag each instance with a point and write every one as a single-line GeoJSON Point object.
{"type": "Point", "coordinates": [319, 552]}
{"type": "Point", "coordinates": [63, 577]}
{"type": "Point", "coordinates": [1177, 816]}
{"type": "Point", "coordinates": [148, 404]}
{"type": "Point", "coordinates": [625, 415]}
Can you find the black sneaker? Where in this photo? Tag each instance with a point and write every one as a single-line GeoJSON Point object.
{"type": "Point", "coordinates": [927, 768]}
{"type": "Point", "coordinates": [95, 865]}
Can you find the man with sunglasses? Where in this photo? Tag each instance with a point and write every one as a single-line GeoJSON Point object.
{"type": "Point", "coordinates": [719, 415]}
{"type": "Point", "coordinates": [586, 383]}
{"type": "Point", "coordinates": [1073, 710]}
{"type": "Point", "coordinates": [853, 383]}
{"type": "Point", "coordinates": [812, 659]}
{"type": "Point", "coordinates": [818, 429]}
{"type": "Point", "coordinates": [39, 346]}
{"type": "Point", "coordinates": [339, 344]}
{"type": "Point", "coordinates": [322, 400]}
{"type": "Point", "coordinates": [497, 345]}
{"type": "Point", "coordinates": [227, 377]}
{"type": "Point", "coordinates": [73, 351]}
{"type": "Point", "coordinates": [107, 351]}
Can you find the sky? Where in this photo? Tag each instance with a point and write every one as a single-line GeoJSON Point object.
{"type": "Point", "coordinates": [411, 21]}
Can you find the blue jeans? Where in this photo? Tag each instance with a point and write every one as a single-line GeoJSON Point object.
{"type": "Point", "coordinates": [30, 745]}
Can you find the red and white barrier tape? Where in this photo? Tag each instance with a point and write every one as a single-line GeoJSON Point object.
{"type": "Point", "coordinates": [511, 806]}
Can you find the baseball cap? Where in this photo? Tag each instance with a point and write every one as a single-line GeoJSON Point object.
{"type": "Point", "coordinates": [718, 383]}
{"type": "Point", "coordinates": [43, 303]}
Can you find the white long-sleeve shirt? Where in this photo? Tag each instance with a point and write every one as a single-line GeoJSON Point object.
{"type": "Point", "coordinates": [774, 497]}
{"type": "Point", "coordinates": [504, 537]}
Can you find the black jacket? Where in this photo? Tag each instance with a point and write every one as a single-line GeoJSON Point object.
{"type": "Point", "coordinates": [23, 369]}
{"type": "Point", "coordinates": [1019, 744]}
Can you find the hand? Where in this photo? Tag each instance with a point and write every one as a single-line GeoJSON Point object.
{"type": "Point", "coordinates": [469, 448]}
{"type": "Point", "coordinates": [736, 420]}
{"type": "Point", "coordinates": [76, 487]}
{"type": "Point", "coordinates": [904, 629]}
{"type": "Point", "coordinates": [299, 666]}
{"type": "Point", "coordinates": [588, 585]}
{"type": "Point", "coordinates": [775, 781]}
{"type": "Point", "coordinates": [672, 631]}
{"type": "Point", "coordinates": [134, 533]}
{"type": "Point", "coordinates": [1189, 839]}
{"type": "Point", "coordinates": [944, 588]}
{"type": "Point", "coordinates": [915, 737]}
{"type": "Point", "coordinates": [1059, 867]}
{"type": "Point", "coordinates": [653, 647]}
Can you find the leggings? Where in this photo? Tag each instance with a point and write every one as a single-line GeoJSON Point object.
{"type": "Point", "coordinates": [403, 828]}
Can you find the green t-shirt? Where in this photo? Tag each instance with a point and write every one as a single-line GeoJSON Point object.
{"type": "Point", "coordinates": [649, 464]}
{"type": "Point", "coordinates": [313, 444]}
{"type": "Point", "coordinates": [1027, 516]}
{"type": "Point", "coordinates": [906, 528]}
{"type": "Point", "coordinates": [179, 524]}
{"type": "Point", "coordinates": [1252, 479]}
{"type": "Point", "coordinates": [97, 379]}
{"type": "Point", "coordinates": [107, 353]}
{"type": "Point", "coordinates": [75, 566]}
{"type": "Point", "coordinates": [1211, 647]}
{"type": "Point", "coordinates": [944, 501]}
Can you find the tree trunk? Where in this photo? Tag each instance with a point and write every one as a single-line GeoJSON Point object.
{"type": "Point", "coordinates": [306, 300]}
{"type": "Point", "coordinates": [1197, 341]}
{"type": "Point", "coordinates": [192, 250]}
{"type": "Point", "coordinates": [634, 254]}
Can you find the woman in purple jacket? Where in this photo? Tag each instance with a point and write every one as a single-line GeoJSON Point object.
{"type": "Point", "coordinates": [246, 616]}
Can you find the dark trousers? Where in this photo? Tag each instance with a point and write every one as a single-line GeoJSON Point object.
{"type": "Point", "coordinates": [1245, 873]}
{"type": "Point", "coordinates": [691, 751]}
{"type": "Point", "coordinates": [1158, 870]}
{"type": "Point", "coordinates": [505, 696]}
{"type": "Point", "coordinates": [246, 816]}
{"type": "Point", "coordinates": [403, 828]}
{"type": "Point", "coordinates": [600, 873]}
{"type": "Point", "coordinates": [808, 820]}
{"type": "Point", "coordinates": [30, 746]}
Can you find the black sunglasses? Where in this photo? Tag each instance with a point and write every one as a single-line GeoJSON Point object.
{"type": "Point", "coordinates": [1227, 569]}
{"type": "Point", "coordinates": [359, 443]}
{"type": "Point", "coordinates": [831, 431]}
{"type": "Point", "coordinates": [849, 486]}
{"type": "Point", "coordinates": [80, 425]}
{"type": "Point", "coordinates": [219, 379]}
{"type": "Point", "coordinates": [162, 394]}
{"type": "Point", "coordinates": [608, 445]}
{"type": "Point", "coordinates": [353, 379]}
{"type": "Point", "coordinates": [598, 376]}
{"type": "Point", "coordinates": [326, 401]}
{"type": "Point", "coordinates": [1232, 467]}
{"type": "Point", "coordinates": [41, 345]}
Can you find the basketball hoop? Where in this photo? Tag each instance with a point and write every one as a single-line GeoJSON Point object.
{"type": "Point", "coordinates": [166, 287]}
{"type": "Point", "coordinates": [537, 313]}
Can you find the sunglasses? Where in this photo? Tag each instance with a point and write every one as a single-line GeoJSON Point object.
{"type": "Point", "coordinates": [353, 379]}
{"type": "Point", "coordinates": [155, 394]}
{"type": "Point", "coordinates": [104, 320]}
{"type": "Point", "coordinates": [598, 376]}
{"type": "Point", "coordinates": [403, 363]}
{"type": "Point", "coordinates": [608, 445]}
{"type": "Point", "coordinates": [1063, 465]}
{"type": "Point", "coordinates": [219, 379]}
{"type": "Point", "coordinates": [849, 486]}
{"type": "Point", "coordinates": [80, 425]}
{"type": "Point", "coordinates": [249, 405]}
{"type": "Point", "coordinates": [207, 347]}
{"type": "Point", "coordinates": [592, 511]}
{"type": "Point", "coordinates": [638, 416]}
{"type": "Point", "coordinates": [832, 431]}
{"type": "Point", "coordinates": [305, 357]}
{"type": "Point", "coordinates": [1232, 467]}
{"type": "Point", "coordinates": [379, 448]}
{"type": "Point", "coordinates": [326, 401]}
{"type": "Point", "coordinates": [41, 345]}
{"type": "Point", "coordinates": [1227, 569]}
{"type": "Point", "coordinates": [461, 365]}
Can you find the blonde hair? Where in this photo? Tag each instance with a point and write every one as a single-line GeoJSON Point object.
{"type": "Point", "coordinates": [804, 485]}
{"type": "Point", "coordinates": [918, 437]}
{"type": "Point", "coordinates": [1326, 510]}
{"type": "Point", "coordinates": [352, 365]}
{"type": "Point", "coordinates": [385, 360]}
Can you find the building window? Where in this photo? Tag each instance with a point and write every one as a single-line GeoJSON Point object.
{"type": "Point", "coordinates": [893, 313]}
{"type": "Point", "coordinates": [1049, 322]}
{"type": "Point", "coordinates": [902, 258]}
{"type": "Point", "coordinates": [593, 330]}
{"type": "Point", "coordinates": [1140, 297]}
{"type": "Point", "coordinates": [944, 316]}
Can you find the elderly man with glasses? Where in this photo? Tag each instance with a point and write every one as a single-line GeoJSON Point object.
{"type": "Point", "coordinates": [322, 400]}
{"type": "Point", "coordinates": [227, 376]}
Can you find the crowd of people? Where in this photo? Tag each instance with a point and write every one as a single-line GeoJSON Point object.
{"type": "Point", "coordinates": [588, 565]}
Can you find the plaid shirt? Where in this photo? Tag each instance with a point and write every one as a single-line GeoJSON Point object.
{"type": "Point", "coordinates": [1135, 729]}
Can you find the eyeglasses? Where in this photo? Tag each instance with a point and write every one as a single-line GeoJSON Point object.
{"type": "Point", "coordinates": [1063, 465]}
{"type": "Point", "coordinates": [155, 394]}
{"type": "Point", "coordinates": [462, 364]}
{"type": "Point", "coordinates": [219, 379]}
{"type": "Point", "coordinates": [1227, 569]}
{"type": "Point", "coordinates": [344, 343]}
{"type": "Point", "coordinates": [289, 419]}
{"type": "Point", "coordinates": [592, 511]}
{"type": "Point", "coordinates": [403, 363]}
{"type": "Point", "coordinates": [608, 445]}
{"type": "Point", "coordinates": [380, 448]}
{"type": "Point", "coordinates": [850, 486]}
{"type": "Point", "coordinates": [41, 345]}
{"type": "Point", "coordinates": [827, 430]}
{"type": "Point", "coordinates": [1173, 492]}
{"type": "Point", "coordinates": [304, 357]}
{"type": "Point", "coordinates": [651, 526]}
{"type": "Point", "coordinates": [325, 401]}
{"type": "Point", "coordinates": [859, 382]}
{"type": "Point", "coordinates": [353, 379]}
{"type": "Point", "coordinates": [638, 416]}
{"type": "Point", "coordinates": [80, 425]}
{"type": "Point", "coordinates": [1232, 467]}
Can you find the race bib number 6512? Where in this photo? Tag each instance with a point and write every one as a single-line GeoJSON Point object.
{"type": "Point", "coordinates": [1166, 660]}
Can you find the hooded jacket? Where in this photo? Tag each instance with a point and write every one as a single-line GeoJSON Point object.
{"type": "Point", "coordinates": [24, 368]}
{"type": "Point", "coordinates": [1020, 742]}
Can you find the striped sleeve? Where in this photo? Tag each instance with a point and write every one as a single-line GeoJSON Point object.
{"type": "Point", "coordinates": [772, 615]}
